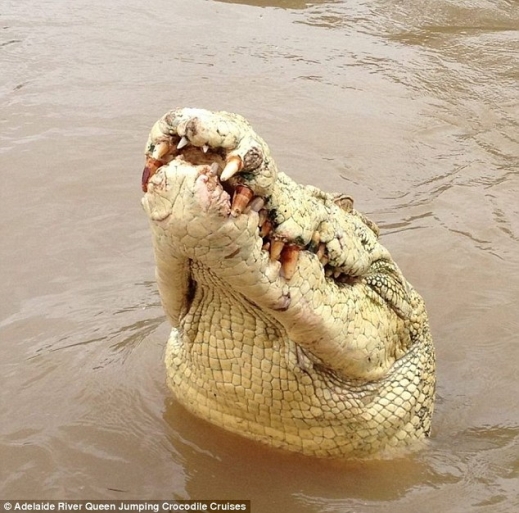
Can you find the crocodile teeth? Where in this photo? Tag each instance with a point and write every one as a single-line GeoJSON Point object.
{"type": "Point", "coordinates": [205, 148]}
{"type": "Point", "coordinates": [160, 150]}
{"type": "Point", "coordinates": [324, 260]}
{"type": "Point", "coordinates": [234, 164]}
{"type": "Point", "coordinates": [240, 200]}
{"type": "Point", "coordinates": [262, 217]}
{"type": "Point", "coordinates": [214, 168]}
{"type": "Point", "coordinates": [276, 247]}
{"type": "Point", "coordinates": [289, 258]}
{"type": "Point", "coordinates": [321, 254]}
{"type": "Point", "coordinates": [265, 229]}
{"type": "Point", "coordinates": [183, 142]}
{"type": "Point", "coordinates": [256, 204]}
{"type": "Point", "coordinates": [314, 242]}
{"type": "Point", "coordinates": [320, 251]}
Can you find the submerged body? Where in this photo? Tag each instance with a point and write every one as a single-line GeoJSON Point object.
{"type": "Point", "coordinates": [292, 325]}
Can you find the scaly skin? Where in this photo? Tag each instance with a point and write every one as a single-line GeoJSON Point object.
{"type": "Point", "coordinates": [292, 325]}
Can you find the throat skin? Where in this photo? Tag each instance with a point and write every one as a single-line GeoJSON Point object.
{"type": "Point", "coordinates": [237, 368]}
{"type": "Point", "coordinates": [314, 318]}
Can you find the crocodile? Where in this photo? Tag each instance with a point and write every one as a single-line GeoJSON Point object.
{"type": "Point", "coordinates": [291, 323]}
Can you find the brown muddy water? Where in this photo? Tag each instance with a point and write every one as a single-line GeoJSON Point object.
{"type": "Point", "coordinates": [410, 107]}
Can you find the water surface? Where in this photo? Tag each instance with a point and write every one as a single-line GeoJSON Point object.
{"type": "Point", "coordinates": [411, 108]}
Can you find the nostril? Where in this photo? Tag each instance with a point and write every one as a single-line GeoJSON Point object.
{"type": "Point", "coordinates": [252, 159]}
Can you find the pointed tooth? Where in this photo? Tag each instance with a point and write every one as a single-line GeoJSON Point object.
{"type": "Point", "coordinates": [276, 247]}
{"type": "Point", "coordinates": [336, 273]}
{"type": "Point", "coordinates": [266, 246]}
{"type": "Point", "coordinates": [328, 272]}
{"type": "Point", "coordinates": [314, 242]}
{"type": "Point", "coordinates": [266, 228]}
{"type": "Point", "coordinates": [262, 217]}
{"type": "Point", "coordinates": [205, 148]}
{"type": "Point", "coordinates": [324, 260]}
{"type": "Point", "coordinates": [256, 204]}
{"type": "Point", "coordinates": [320, 250]}
{"type": "Point", "coordinates": [240, 200]}
{"type": "Point", "coordinates": [183, 142]}
{"type": "Point", "coordinates": [214, 168]}
{"type": "Point", "coordinates": [233, 166]}
{"type": "Point", "coordinates": [160, 150]}
{"type": "Point", "coordinates": [289, 258]}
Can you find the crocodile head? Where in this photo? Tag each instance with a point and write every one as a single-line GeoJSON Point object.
{"type": "Point", "coordinates": [239, 245]}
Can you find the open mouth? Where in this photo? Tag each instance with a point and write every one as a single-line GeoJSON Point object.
{"type": "Point", "coordinates": [237, 160]}
{"type": "Point", "coordinates": [217, 172]}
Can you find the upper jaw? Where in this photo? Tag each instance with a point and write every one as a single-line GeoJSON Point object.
{"type": "Point", "coordinates": [202, 137]}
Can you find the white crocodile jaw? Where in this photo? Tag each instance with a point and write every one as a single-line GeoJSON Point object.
{"type": "Point", "coordinates": [240, 246]}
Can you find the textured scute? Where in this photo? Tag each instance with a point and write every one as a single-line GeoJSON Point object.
{"type": "Point", "coordinates": [292, 324]}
